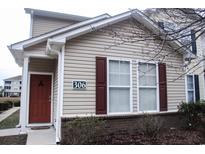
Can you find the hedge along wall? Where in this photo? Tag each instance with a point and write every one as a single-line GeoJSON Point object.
{"type": "Point", "coordinates": [130, 123]}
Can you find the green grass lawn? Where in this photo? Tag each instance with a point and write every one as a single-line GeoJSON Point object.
{"type": "Point", "coordinates": [11, 121]}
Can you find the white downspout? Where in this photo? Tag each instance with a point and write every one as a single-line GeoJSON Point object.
{"type": "Point", "coordinates": [58, 100]}
{"type": "Point", "coordinates": [60, 93]}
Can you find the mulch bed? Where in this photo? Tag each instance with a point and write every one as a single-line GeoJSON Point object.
{"type": "Point", "coordinates": [13, 140]}
{"type": "Point", "coordinates": [166, 137]}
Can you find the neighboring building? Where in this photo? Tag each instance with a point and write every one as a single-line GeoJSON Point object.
{"type": "Point", "coordinates": [12, 86]}
{"type": "Point", "coordinates": [88, 66]}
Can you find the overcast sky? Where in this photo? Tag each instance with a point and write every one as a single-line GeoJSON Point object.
{"type": "Point", "coordinates": [14, 25]}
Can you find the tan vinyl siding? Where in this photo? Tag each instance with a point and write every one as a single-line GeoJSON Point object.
{"type": "Point", "coordinates": [41, 65]}
{"type": "Point", "coordinates": [37, 49]}
{"type": "Point", "coordinates": [80, 56]}
{"type": "Point", "coordinates": [45, 24]}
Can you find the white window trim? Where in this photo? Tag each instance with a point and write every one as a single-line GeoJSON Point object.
{"type": "Point", "coordinates": [108, 87]}
{"type": "Point", "coordinates": [157, 86]}
{"type": "Point", "coordinates": [28, 98]}
{"type": "Point", "coordinates": [186, 87]}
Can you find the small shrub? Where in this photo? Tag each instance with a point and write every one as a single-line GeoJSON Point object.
{"type": "Point", "coordinates": [82, 130]}
{"type": "Point", "coordinates": [9, 103]}
{"type": "Point", "coordinates": [16, 103]}
{"type": "Point", "coordinates": [150, 125]}
{"type": "Point", "coordinates": [4, 106]}
{"type": "Point", "coordinates": [193, 113]}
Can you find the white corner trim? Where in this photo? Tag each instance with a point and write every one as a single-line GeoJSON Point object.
{"type": "Point", "coordinates": [31, 25]}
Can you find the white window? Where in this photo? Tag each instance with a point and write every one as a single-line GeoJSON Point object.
{"type": "Point", "coordinates": [119, 86]}
{"type": "Point", "coordinates": [147, 87]}
{"type": "Point", "coordinates": [190, 88]}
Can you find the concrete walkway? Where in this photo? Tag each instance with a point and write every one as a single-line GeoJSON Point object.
{"type": "Point", "coordinates": [7, 113]}
{"type": "Point", "coordinates": [41, 137]}
{"type": "Point", "coordinates": [35, 137]}
{"type": "Point", "coordinates": [9, 132]}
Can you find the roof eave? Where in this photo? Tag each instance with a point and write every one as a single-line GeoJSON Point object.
{"type": "Point", "coordinates": [17, 54]}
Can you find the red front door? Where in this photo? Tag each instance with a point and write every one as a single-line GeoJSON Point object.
{"type": "Point", "coordinates": [40, 103]}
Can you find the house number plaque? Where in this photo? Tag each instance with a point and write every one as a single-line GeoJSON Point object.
{"type": "Point", "coordinates": [79, 84]}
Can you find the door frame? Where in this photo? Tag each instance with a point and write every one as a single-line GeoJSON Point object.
{"type": "Point", "coordinates": [28, 99]}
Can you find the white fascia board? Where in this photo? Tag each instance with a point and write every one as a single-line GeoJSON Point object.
{"type": "Point", "coordinates": [94, 26]}
{"type": "Point", "coordinates": [44, 37]}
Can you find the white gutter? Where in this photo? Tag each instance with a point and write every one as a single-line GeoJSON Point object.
{"type": "Point", "coordinates": [94, 26]}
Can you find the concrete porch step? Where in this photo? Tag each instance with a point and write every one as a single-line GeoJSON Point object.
{"type": "Point", "coordinates": [41, 137]}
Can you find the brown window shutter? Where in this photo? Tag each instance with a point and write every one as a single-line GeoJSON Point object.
{"type": "Point", "coordinates": [101, 85]}
{"type": "Point", "coordinates": [162, 87]}
{"type": "Point", "coordinates": [197, 91]}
